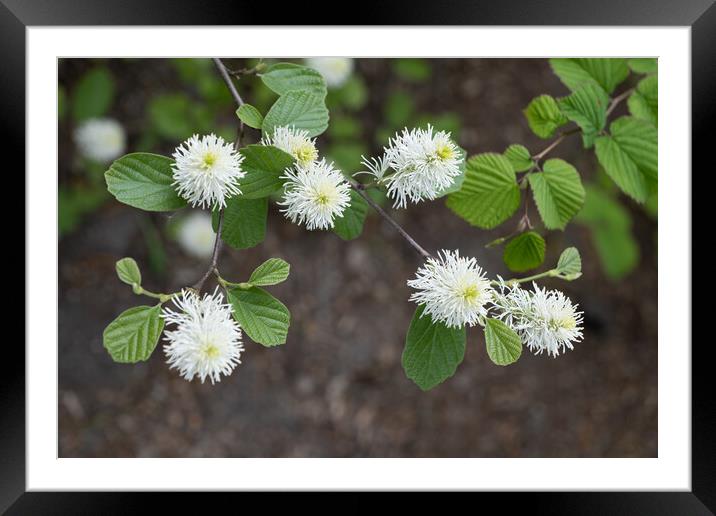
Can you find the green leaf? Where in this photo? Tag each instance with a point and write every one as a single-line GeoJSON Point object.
{"type": "Point", "coordinates": [630, 155]}
{"type": "Point", "coordinates": [264, 165]}
{"type": "Point", "coordinates": [133, 335]}
{"type": "Point", "coordinates": [575, 72]}
{"type": "Point", "coordinates": [93, 94]}
{"type": "Point", "coordinates": [244, 222]}
{"type": "Point", "coordinates": [249, 115]}
{"type": "Point", "coordinates": [610, 225]}
{"type": "Point", "coordinates": [263, 317]}
{"type": "Point", "coordinates": [271, 272]}
{"type": "Point", "coordinates": [144, 181]}
{"type": "Point", "coordinates": [644, 102]}
{"type": "Point", "coordinates": [300, 109]}
{"type": "Point", "coordinates": [569, 265]}
{"type": "Point", "coordinates": [489, 193]}
{"type": "Point", "coordinates": [504, 346]}
{"type": "Point", "coordinates": [588, 108]}
{"type": "Point", "coordinates": [285, 77]}
{"type": "Point", "coordinates": [544, 116]}
{"type": "Point", "coordinates": [128, 271]}
{"type": "Point", "coordinates": [172, 116]}
{"type": "Point", "coordinates": [432, 350]}
{"type": "Point", "coordinates": [558, 193]}
{"type": "Point", "coordinates": [520, 157]}
{"type": "Point", "coordinates": [412, 69]}
{"type": "Point", "coordinates": [350, 225]}
{"type": "Point", "coordinates": [643, 65]}
{"type": "Point", "coordinates": [524, 252]}
{"type": "Point", "coordinates": [398, 108]}
{"type": "Point", "coordinates": [61, 102]}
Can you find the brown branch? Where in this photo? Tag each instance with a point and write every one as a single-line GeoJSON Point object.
{"type": "Point", "coordinates": [615, 102]}
{"type": "Point", "coordinates": [215, 254]}
{"type": "Point", "coordinates": [360, 189]}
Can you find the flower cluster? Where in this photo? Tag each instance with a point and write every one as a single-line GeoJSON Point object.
{"type": "Point", "coordinates": [206, 341]}
{"type": "Point", "coordinates": [207, 171]}
{"type": "Point", "coordinates": [423, 164]}
{"type": "Point", "coordinates": [100, 139]}
{"type": "Point", "coordinates": [455, 291]}
{"type": "Point", "coordinates": [314, 194]}
{"type": "Point", "coordinates": [295, 142]}
{"type": "Point", "coordinates": [545, 320]}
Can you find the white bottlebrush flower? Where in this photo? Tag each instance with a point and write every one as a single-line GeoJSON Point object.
{"type": "Point", "coordinates": [196, 235]}
{"type": "Point", "coordinates": [100, 139]}
{"type": "Point", "coordinates": [206, 341]}
{"type": "Point", "coordinates": [295, 142]}
{"type": "Point", "coordinates": [207, 171]}
{"type": "Point", "coordinates": [335, 70]}
{"type": "Point", "coordinates": [315, 194]}
{"type": "Point", "coordinates": [453, 289]}
{"type": "Point", "coordinates": [545, 320]}
{"type": "Point", "coordinates": [423, 163]}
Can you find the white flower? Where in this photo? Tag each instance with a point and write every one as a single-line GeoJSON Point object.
{"type": "Point", "coordinates": [453, 289]}
{"type": "Point", "coordinates": [207, 171]}
{"type": "Point", "coordinates": [335, 70]}
{"type": "Point", "coordinates": [315, 194]}
{"type": "Point", "coordinates": [424, 164]}
{"type": "Point", "coordinates": [196, 235]}
{"type": "Point", "coordinates": [100, 139]}
{"type": "Point", "coordinates": [206, 341]}
{"type": "Point", "coordinates": [544, 320]}
{"type": "Point", "coordinates": [295, 142]}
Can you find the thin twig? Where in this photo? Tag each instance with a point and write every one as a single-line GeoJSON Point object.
{"type": "Point", "coordinates": [227, 79]}
{"type": "Point", "coordinates": [214, 256]}
{"type": "Point", "coordinates": [615, 102]}
{"type": "Point", "coordinates": [554, 144]}
{"type": "Point", "coordinates": [360, 189]}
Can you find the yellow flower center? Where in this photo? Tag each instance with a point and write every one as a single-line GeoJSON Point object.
{"type": "Point", "coordinates": [470, 293]}
{"type": "Point", "coordinates": [208, 161]}
{"type": "Point", "coordinates": [444, 152]}
{"type": "Point", "coordinates": [305, 153]}
{"type": "Point", "coordinates": [209, 350]}
{"type": "Point", "coordinates": [565, 323]}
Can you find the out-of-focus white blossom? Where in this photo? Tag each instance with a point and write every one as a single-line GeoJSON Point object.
{"type": "Point", "coordinates": [196, 235]}
{"type": "Point", "coordinates": [100, 139]}
{"type": "Point", "coordinates": [335, 70]}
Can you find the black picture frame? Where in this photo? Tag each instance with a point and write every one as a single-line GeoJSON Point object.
{"type": "Point", "coordinates": [700, 15]}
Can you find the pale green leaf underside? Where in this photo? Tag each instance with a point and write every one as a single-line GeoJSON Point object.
{"type": "Point", "coordinates": [300, 109]}
{"type": "Point", "coordinates": [520, 157]}
{"type": "Point", "coordinates": [128, 271]}
{"type": "Point", "coordinates": [133, 335]}
{"type": "Point", "coordinates": [569, 263]}
{"type": "Point", "coordinates": [263, 317]}
{"type": "Point", "coordinates": [144, 181]}
{"type": "Point", "coordinates": [558, 193]}
{"type": "Point", "coordinates": [350, 225]}
{"type": "Point", "coordinates": [432, 351]}
{"type": "Point", "coordinates": [630, 155]}
{"type": "Point", "coordinates": [503, 344]}
{"type": "Point", "coordinates": [285, 77]}
{"type": "Point", "coordinates": [575, 72]}
{"type": "Point", "coordinates": [644, 102]}
{"type": "Point", "coordinates": [544, 116]}
{"type": "Point", "coordinates": [251, 116]}
{"type": "Point", "coordinates": [489, 194]}
{"type": "Point", "coordinates": [264, 165]}
{"type": "Point", "coordinates": [524, 252]}
{"type": "Point", "coordinates": [271, 272]}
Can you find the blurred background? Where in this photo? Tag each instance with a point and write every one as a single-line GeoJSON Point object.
{"type": "Point", "coordinates": [337, 388]}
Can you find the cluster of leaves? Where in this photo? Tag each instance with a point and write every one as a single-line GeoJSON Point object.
{"type": "Point", "coordinates": [626, 148]}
